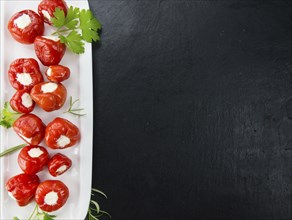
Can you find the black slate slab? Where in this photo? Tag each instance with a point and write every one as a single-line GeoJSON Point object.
{"type": "Point", "coordinates": [193, 109]}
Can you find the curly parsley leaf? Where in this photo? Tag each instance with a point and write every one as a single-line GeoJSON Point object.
{"type": "Point", "coordinates": [7, 116]}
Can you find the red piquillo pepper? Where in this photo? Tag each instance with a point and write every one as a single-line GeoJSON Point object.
{"type": "Point", "coordinates": [58, 73]}
{"type": "Point", "coordinates": [49, 96]}
{"type": "Point", "coordinates": [24, 73]}
{"type": "Point", "coordinates": [22, 102]}
{"type": "Point", "coordinates": [49, 50]}
{"type": "Point", "coordinates": [47, 8]}
{"type": "Point", "coordinates": [61, 133]}
{"type": "Point", "coordinates": [51, 195]}
{"type": "Point", "coordinates": [30, 128]}
{"type": "Point", "coordinates": [22, 188]}
{"type": "Point", "coordinates": [25, 25]}
{"type": "Point", "coordinates": [33, 159]}
{"type": "Point", "coordinates": [59, 164]}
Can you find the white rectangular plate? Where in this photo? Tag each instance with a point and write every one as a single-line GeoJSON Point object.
{"type": "Point", "coordinates": [79, 85]}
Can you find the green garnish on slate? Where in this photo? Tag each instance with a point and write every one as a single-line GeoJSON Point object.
{"type": "Point", "coordinates": [94, 211]}
{"type": "Point", "coordinates": [77, 27]}
{"type": "Point", "coordinates": [8, 116]}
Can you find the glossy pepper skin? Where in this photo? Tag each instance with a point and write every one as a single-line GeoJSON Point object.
{"type": "Point", "coordinates": [23, 187]}
{"type": "Point", "coordinates": [32, 164]}
{"type": "Point", "coordinates": [29, 33]}
{"type": "Point", "coordinates": [57, 73]}
{"type": "Point", "coordinates": [58, 161]}
{"type": "Point", "coordinates": [30, 128]}
{"type": "Point", "coordinates": [49, 101]}
{"type": "Point", "coordinates": [50, 6]}
{"type": "Point", "coordinates": [27, 66]}
{"type": "Point", "coordinates": [48, 51]}
{"type": "Point", "coordinates": [61, 127]}
{"type": "Point", "coordinates": [16, 102]}
{"type": "Point", "coordinates": [51, 186]}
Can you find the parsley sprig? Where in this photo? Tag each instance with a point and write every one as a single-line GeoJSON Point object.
{"type": "Point", "coordinates": [39, 215]}
{"type": "Point", "coordinates": [8, 116]}
{"type": "Point", "coordinates": [76, 28]}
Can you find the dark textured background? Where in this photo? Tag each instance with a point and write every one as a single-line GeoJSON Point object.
{"type": "Point", "coordinates": [192, 111]}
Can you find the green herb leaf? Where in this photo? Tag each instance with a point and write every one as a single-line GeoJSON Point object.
{"type": "Point", "coordinates": [46, 216]}
{"type": "Point", "coordinates": [89, 26]}
{"type": "Point", "coordinates": [100, 192]}
{"type": "Point", "coordinates": [97, 208]}
{"type": "Point", "coordinates": [34, 212]}
{"type": "Point", "coordinates": [74, 42]}
{"type": "Point", "coordinates": [69, 31]}
{"type": "Point", "coordinates": [11, 150]}
{"type": "Point", "coordinates": [94, 211]}
{"type": "Point", "coordinates": [105, 213]}
{"type": "Point", "coordinates": [72, 110]}
{"type": "Point", "coordinates": [15, 218]}
{"type": "Point", "coordinates": [92, 217]}
{"type": "Point", "coordinates": [59, 18]}
{"type": "Point", "coordinates": [71, 20]}
{"type": "Point", "coordinates": [39, 215]}
{"type": "Point", "coordinates": [8, 116]}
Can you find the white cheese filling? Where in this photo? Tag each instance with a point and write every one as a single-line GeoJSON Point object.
{"type": "Point", "coordinates": [22, 21]}
{"type": "Point", "coordinates": [26, 100]}
{"type": "Point", "coordinates": [24, 78]}
{"type": "Point", "coordinates": [61, 169]}
{"type": "Point", "coordinates": [46, 14]}
{"type": "Point", "coordinates": [49, 72]}
{"type": "Point", "coordinates": [63, 141]}
{"type": "Point", "coordinates": [51, 198]}
{"type": "Point", "coordinates": [11, 195]}
{"type": "Point", "coordinates": [35, 152]}
{"type": "Point", "coordinates": [49, 87]}
{"type": "Point", "coordinates": [53, 38]}
{"type": "Point", "coordinates": [28, 140]}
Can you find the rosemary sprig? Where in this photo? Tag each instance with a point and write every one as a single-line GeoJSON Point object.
{"type": "Point", "coordinates": [74, 111]}
{"type": "Point", "coordinates": [12, 149]}
{"type": "Point", "coordinates": [98, 191]}
{"type": "Point", "coordinates": [94, 211]}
